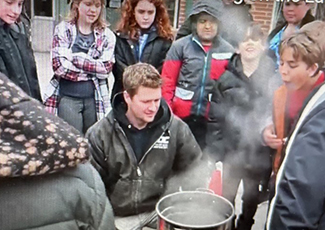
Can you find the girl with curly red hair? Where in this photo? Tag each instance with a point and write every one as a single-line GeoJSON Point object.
{"type": "Point", "coordinates": [144, 34]}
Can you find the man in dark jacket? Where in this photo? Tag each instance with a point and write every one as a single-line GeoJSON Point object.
{"type": "Point", "coordinates": [16, 55]}
{"type": "Point", "coordinates": [234, 16]}
{"type": "Point", "coordinates": [43, 184]}
{"type": "Point", "coordinates": [138, 146]}
{"type": "Point", "coordinates": [192, 64]}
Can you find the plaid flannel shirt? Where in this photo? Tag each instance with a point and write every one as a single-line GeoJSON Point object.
{"type": "Point", "coordinates": [97, 63]}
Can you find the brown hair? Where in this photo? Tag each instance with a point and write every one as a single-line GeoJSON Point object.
{"type": "Point", "coordinates": [129, 25]}
{"type": "Point", "coordinates": [316, 31]}
{"type": "Point", "coordinates": [303, 47]}
{"type": "Point", "coordinates": [255, 31]}
{"type": "Point", "coordinates": [140, 74]}
{"type": "Point", "coordinates": [73, 14]}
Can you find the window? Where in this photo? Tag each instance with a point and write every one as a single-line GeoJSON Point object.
{"type": "Point", "coordinates": [172, 8]}
{"type": "Point", "coordinates": [43, 8]}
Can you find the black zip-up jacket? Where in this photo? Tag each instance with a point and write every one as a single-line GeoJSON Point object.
{"type": "Point", "coordinates": [154, 53]}
{"type": "Point", "coordinates": [134, 187]}
{"type": "Point", "coordinates": [17, 59]}
{"type": "Point", "coordinates": [239, 112]}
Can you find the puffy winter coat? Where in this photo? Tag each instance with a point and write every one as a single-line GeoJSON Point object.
{"type": "Point", "coordinates": [154, 53]}
{"type": "Point", "coordinates": [189, 70]}
{"type": "Point", "coordinates": [17, 59]}
{"type": "Point", "coordinates": [71, 200]}
{"type": "Point", "coordinates": [134, 187]}
{"type": "Point", "coordinates": [239, 112]}
{"type": "Point", "coordinates": [42, 183]}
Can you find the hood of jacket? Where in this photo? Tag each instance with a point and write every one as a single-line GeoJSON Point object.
{"type": "Point", "coordinates": [33, 141]}
{"type": "Point", "coordinates": [205, 6]}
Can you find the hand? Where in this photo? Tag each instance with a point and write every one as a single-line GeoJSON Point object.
{"type": "Point", "coordinates": [270, 138]}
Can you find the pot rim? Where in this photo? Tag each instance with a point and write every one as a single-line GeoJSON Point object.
{"type": "Point", "coordinates": [194, 226]}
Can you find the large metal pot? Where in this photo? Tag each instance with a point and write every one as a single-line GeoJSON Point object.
{"type": "Point", "coordinates": [193, 210]}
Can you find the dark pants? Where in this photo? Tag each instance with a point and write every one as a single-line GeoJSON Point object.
{"type": "Point", "coordinates": [198, 126]}
{"type": "Point", "coordinates": [78, 112]}
{"type": "Point", "coordinates": [253, 192]}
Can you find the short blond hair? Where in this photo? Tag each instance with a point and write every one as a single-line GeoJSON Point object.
{"type": "Point", "coordinates": [304, 47]}
{"type": "Point", "coordinates": [140, 74]}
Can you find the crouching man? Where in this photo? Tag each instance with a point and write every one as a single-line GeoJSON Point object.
{"type": "Point", "coordinates": [138, 146]}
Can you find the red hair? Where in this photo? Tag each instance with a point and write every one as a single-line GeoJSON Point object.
{"type": "Point", "coordinates": [129, 25]}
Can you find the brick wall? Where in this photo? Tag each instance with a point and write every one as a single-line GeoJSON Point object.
{"type": "Point", "coordinates": [182, 12]}
{"type": "Point", "coordinates": [262, 13]}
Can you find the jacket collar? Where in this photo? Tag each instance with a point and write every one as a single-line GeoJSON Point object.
{"type": "Point", "coordinates": [153, 34]}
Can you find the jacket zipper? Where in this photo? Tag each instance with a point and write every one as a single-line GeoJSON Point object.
{"type": "Point", "coordinates": [139, 173]}
{"type": "Point", "coordinates": [200, 99]}
{"type": "Point", "coordinates": [138, 167]}
{"type": "Point", "coordinates": [202, 86]}
{"type": "Point", "coordinates": [133, 155]}
{"type": "Point", "coordinates": [138, 170]}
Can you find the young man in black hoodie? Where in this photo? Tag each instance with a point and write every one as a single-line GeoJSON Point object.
{"type": "Point", "coordinates": [138, 146]}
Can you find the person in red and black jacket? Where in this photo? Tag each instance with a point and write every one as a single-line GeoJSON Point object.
{"type": "Point", "coordinates": [192, 64]}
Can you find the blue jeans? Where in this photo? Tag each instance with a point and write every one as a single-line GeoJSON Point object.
{"type": "Point", "coordinates": [78, 112]}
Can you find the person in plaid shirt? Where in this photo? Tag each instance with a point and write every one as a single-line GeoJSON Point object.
{"type": "Point", "coordinates": [82, 60]}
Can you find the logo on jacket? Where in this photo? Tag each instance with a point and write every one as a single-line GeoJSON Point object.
{"type": "Point", "coordinates": [162, 143]}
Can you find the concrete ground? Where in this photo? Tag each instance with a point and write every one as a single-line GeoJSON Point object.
{"type": "Point", "coordinates": [45, 73]}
